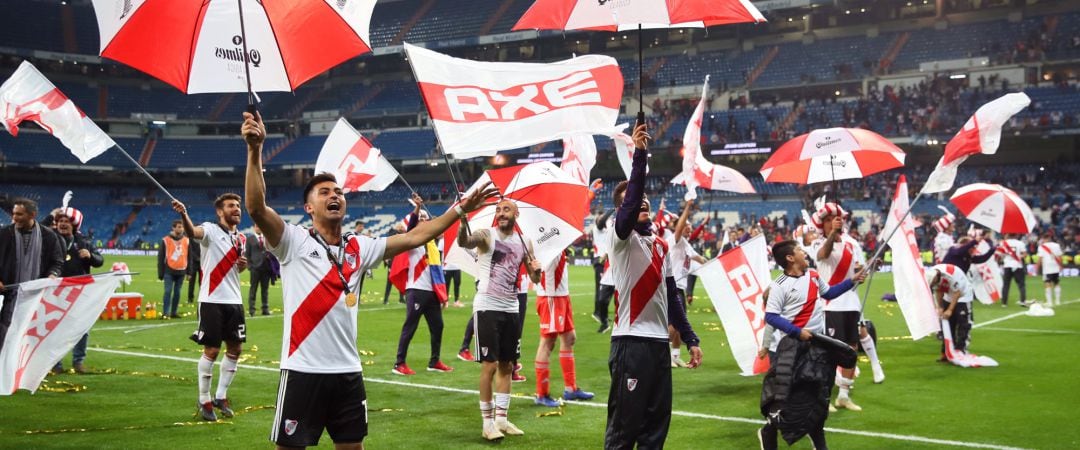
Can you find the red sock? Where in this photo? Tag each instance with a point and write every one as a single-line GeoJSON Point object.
{"type": "Point", "coordinates": [566, 360]}
{"type": "Point", "coordinates": [542, 378]}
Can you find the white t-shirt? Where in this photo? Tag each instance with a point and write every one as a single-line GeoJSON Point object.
{"type": "Point", "coordinates": [942, 243]}
{"type": "Point", "coordinates": [681, 253]}
{"type": "Point", "coordinates": [500, 267]}
{"type": "Point", "coordinates": [553, 280]}
{"type": "Point", "coordinates": [639, 266]}
{"type": "Point", "coordinates": [320, 329]}
{"type": "Point", "coordinates": [1012, 253]}
{"type": "Point", "coordinates": [1049, 254]}
{"type": "Point", "coordinates": [419, 275]}
{"type": "Point", "coordinates": [954, 280]}
{"type": "Point", "coordinates": [799, 301]}
{"type": "Point", "coordinates": [605, 278]}
{"type": "Point", "coordinates": [848, 301]}
{"type": "Point", "coordinates": [220, 251]}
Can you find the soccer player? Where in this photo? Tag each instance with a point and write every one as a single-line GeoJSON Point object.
{"type": "Point", "coordinates": [639, 400]}
{"type": "Point", "coordinates": [221, 306]}
{"type": "Point", "coordinates": [1012, 254]}
{"type": "Point", "coordinates": [556, 323]}
{"type": "Point", "coordinates": [792, 311]}
{"type": "Point", "coordinates": [607, 284]}
{"type": "Point", "coordinates": [943, 241]}
{"type": "Point", "coordinates": [839, 256]}
{"type": "Point", "coordinates": [500, 251]}
{"type": "Point", "coordinates": [682, 255]}
{"type": "Point", "coordinates": [1050, 264]}
{"type": "Point", "coordinates": [322, 384]}
{"type": "Point", "coordinates": [953, 295]}
{"type": "Point", "coordinates": [421, 299]}
{"type": "Point", "coordinates": [174, 261]}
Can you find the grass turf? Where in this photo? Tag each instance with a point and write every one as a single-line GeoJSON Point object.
{"type": "Point", "coordinates": [142, 392]}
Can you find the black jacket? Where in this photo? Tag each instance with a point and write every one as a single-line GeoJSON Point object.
{"type": "Point", "coordinates": [73, 264]}
{"type": "Point", "coordinates": [52, 256]}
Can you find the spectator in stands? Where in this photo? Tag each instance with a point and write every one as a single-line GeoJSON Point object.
{"type": "Point", "coordinates": [79, 257]}
{"type": "Point", "coordinates": [261, 266]}
{"type": "Point", "coordinates": [174, 258]}
{"type": "Point", "coordinates": [27, 252]}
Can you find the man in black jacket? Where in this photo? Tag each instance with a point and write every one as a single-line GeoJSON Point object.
{"type": "Point", "coordinates": [28, 251]}
{"type": "Point", "coordinates": [79, 257]}
{"type": "Point", "coordinates": [261, 270]}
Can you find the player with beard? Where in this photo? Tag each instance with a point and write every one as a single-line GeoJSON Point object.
{"type": "Point", "coordinates": [639, 401]}
{"type": "Point", "coordinates": [221, 306]}
{"type": "Point", "coordinates": [322, 383]}
{"type": "Point", "coordinates": [500, 251]}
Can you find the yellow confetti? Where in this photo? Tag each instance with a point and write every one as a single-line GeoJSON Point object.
{"type": "Point", "coordinates": [193, 423]}
{"type": "Point", "coordinates": [713, 329]}
{"type": "Point", "coordinates": [388, 410]}
{"type": "Point", "coordinates": [556, 412]}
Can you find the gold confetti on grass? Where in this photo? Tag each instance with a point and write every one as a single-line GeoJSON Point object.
{"type": "Point", "coordinates": [192, 423]}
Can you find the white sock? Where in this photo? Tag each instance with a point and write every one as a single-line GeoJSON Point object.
{"type": "Point", "coordinates": [1057, 293]}
{"type": "Point", "coordinates": [206, 376]}
{"type": "Point", "coordinates": [1049, 297]}
{"type": "Point", "coordinates": [845, 387]}
{"type": "Point", "coordinates": [675, 353]}
{"type": "Point", "coordinates": [502, 406]}
{"type": "Point", "coordinates": [487, 412]}
{"type": "Point", "coordinates": [226, 375]}
{"type": "Point", "coordinates": [871, 349]}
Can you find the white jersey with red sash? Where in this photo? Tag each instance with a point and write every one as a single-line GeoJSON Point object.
{"type": "Point", "coordinates": [1012, 254]}
{"type": "Point", "coordinates": [953, 281]}
{"type": "Point", "coordinates": [419, 275]}
{"type": "Point", "coordinates": [839, 266]}
{"type": "Point", "coordinates": [320, 327]}
{"type": "Point", "coordinates": [798, 299]}
{"type": "Point", "coordinates": [1050, 258]}
{"type": "Point", "coordinates": [639, 266]}
{"type": "Point", "coordinates": [553, 281]}
{"type": "Point", "coordinates": [220, 251]}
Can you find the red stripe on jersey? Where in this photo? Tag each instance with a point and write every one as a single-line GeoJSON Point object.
{"type": "Point", "coordinates": [222, 269]}
{"type": "Point", "coordinates": [421, 266]}
{"type": "Point", "coordinates": [845, 263]}
{"type": "Point", "coordinates": [559, 270]}
{"type": "Point", "coordinates": [650, 280]}
{"type": "Point", "coordinates": [1007, 249]}
{"type": "Point", "coordinates": [811, 301]}
{"type": "Point", "coordinates": [1057, 258]}
{"type": "Point", "coordinates": [321, 299]}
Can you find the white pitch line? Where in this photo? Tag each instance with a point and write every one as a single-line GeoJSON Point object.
{"type": "Point", "coordinates": [1012, 316]}
{"type": "Point", "coordinates": [134, 328]}
{"type": "Point", "coordinates": [897, 437]}
{"type": "Point", "coordinates": [1033, 330]}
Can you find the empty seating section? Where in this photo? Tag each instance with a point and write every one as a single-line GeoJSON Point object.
{"type": "Point", "coordinates": [958, 41]}
{"type": "Point", "coordinates": [32, 148]}
{"type": "Point", "coordinates": [396, 97]}
{"type": "Point", "coordinates": [196, 153]}
{"type": "Point", "coordinates": [452, 20]}
{"type": "Point", "coordinates": [15, 31]}
{"type": "Point", "coordinates": [406, 144]}
{"type": "Point", "coordinates": [825, 60]}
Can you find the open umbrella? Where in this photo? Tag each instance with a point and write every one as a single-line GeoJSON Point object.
{"type": "Point", "coordinates": [619, 15]}
{"type": "Point", "coordinates": [832, 154]}
{"type": "Point", "coordinates": [233, 45]}
{"type": "Point", "coordinates": [994, 206]}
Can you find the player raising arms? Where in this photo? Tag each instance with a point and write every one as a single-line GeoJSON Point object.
{"type": "Point", "coordinates": [322, 384]}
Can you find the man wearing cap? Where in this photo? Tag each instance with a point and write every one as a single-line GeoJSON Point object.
{"type": "Point", "coordinates": [79, 257]}
{"type": "Point", "coordinates": [944, 239]}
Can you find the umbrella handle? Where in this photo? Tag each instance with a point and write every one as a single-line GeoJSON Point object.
{"type": "Point", "coordinates": [252, 108]}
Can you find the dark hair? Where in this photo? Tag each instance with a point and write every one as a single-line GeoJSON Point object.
{"type": "Point", "coordinates": [620, 189]}
{"type": "Point", "coordinates": [177, 222]}
{"type": "Point", "coordinates": [781, 250]}
{"type": "Point", "coordinates": [29, 205]}
{"type": "Point", "coordinates": [315, 181]}
{"type": "Point", "coordinates": [220, 202]}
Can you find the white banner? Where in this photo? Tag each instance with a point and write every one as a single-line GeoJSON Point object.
{"type": "Point", "coordinates": [351, 158]}
{"type": "Point", "coordinates": [986, 277]}
{"type": "Point", "coordinates": [912, 293]}
{"type": "Point", "coordinates": [579, 157]}
{"type": "Point", "coordinates": [478, 107]}
{"type": "Point", "coordinates": [50, 316]}
{"type": "Point", "coordinates": [736, 282]}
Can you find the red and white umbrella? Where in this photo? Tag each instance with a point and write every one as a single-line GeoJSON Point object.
{"type": "Point", "coordinates": [832, 154]}
{"type": "Point", "coordinates": [551, 207]}
{"type": "Point", "coordinates": [994, 206]}
{"type": "Point", "coordinates": [200, 46]}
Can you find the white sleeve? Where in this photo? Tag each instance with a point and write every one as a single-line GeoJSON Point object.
{"type": "Point", "coordinates": [291, 237]}
{"type": "Point", "coordinates": [668, 266]}
{"type": "Point", "coordinates": [775, 303]}
{"type": "Point", "coordinates": [208, 229]}
{"type": "Point", "coordinates": [371, 251]}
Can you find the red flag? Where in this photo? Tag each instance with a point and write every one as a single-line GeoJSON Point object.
{"type": "Point", "coordinates": [351, 158]}
{"type": "Point", "coordinates": [981, 134]}
{"type": "Point", "coordinates": [399, 271]}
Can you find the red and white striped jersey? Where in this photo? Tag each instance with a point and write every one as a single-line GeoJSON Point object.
{"type": "Point", "coordinates": [954, 280]}
{"type": "Point", "coordinates": [798, 299]}
{"type": "Point", "coordinates": [681, 252]}
{"type": "Point", "coordinates": [320, 328]}
{"type": "Point", "coordinates": [1012, 253]}
{"type": "Point", "coordinates": [1050, 257]}
{"type": "Point", "coordinates": [554, 279]}
{"type": "Point", "coordinates": [639, 266]}
{"type": "Point", "coordinates": [419, 275]}
{"type": "Point", "coordinates": [942, 243]}
{"type": "Point", "coordinates": [839, 266]}
{"type": "Point", "coordinates": [220, 251]}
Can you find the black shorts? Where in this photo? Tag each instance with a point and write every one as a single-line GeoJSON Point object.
{"type": "Point", "coordinates": [498, 336]}
{"type": "Point", "coordinates": [1053, 278]}
{"type": "Point", "coordinates": [220, 322]}
{"type": "Point", "coordinates": [308, 403]}
{"type": "Point", "coordinates": [843, 326]}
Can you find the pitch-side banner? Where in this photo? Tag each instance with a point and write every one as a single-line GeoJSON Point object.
{"type": "Point", "coordinates": [912, 293]}
{"type": "Point", "coordinates": [351, 158]}
{"type": "Point", "coordinates": [736, 282]}
{"type": "Point", "coordinates": [488, 106]}
{"type": "Point", "coordinates": [50, 316]}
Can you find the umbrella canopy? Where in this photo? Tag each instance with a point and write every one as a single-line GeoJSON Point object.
{"type": "Point", "coordinates": [832, 154]}
{"type": "Point", "coordinates": [995, 207]}
{"type": "Point", "coordinates": [551, 208]}
{"type": "Point", "coordinates": [200, 46]}
{"type": "Point", "coordinates": [625, 15]}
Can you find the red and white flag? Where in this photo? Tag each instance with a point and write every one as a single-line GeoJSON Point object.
{"type": "Point", "coordinates": [579, 157]}
{"type": "Point", "coordinates": [624, 149]}
{"type": "Point", "coordinates": [489, 106]}
{"type": "Point", "coordinates": [959, 357]}
{"type": "Point", "coordinates": [909, 279]}
{"type": "Point", "coordinates": [698, 171]}
{"type": "Point", "coordinates": [351, 158]}
{"type": "Point", "coordinates": [50, 316]}
{"type": "Point", "coordinates": [981, 134]}
{"type": "Point", "coordinates": [736, 282]}
{"type": "Point", "coordinates": [986, 279]}
{"type": "Point", "coordinates": [28, 95]}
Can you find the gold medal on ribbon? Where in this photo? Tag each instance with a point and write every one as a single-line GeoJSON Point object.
{"type": "Point", "coordinates": [350, 299]}
{"type": "Point", "coordinates": [68, 258]}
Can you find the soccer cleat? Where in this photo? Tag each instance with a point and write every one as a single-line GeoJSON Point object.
{"type": "Point", "coordinates": [677, 362]}
{"type": "Point", "coordinates": [832, 408]}
{"type": "Point", "coordinates": [465, 355]}
{"type": "Point", "coordinates": [402, 369]}
{"type": "Point", "coordinates": [517, 377]}
{"type": "Point", "coordinates": [1023, 303]}
{"type": "Point", "coordinates": [223, 405]}
{"type": "Point", "coordinates": [604, 328]}
{"type": "Point", "coordinates": [508, 429]}
{"type": "Point", "coordinates": [206, 412]}
{"type": "Point", "coordinates": [491, 432]}
{"type": "Point", "coordinates": [440, 367]}
{"type": "Point", "coordinates": [846, 403]}
{"type": "Point", "coordinates": [79, 368]}
{"type": "Point", "coordinates": [546, 401]}
{"type": "Point", "coordinates": [577, 394]}
{"type": "Point", "coordinates": [596, 318]}
{"type": "Point", "coordinates": [458, 304]}
{"type": "Point", "coordinates": [879, 373]}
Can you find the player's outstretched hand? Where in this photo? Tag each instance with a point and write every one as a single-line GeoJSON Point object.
{"type": "Point", "coordinates": [695, 358]}
{"type": "Point", "coordinates": [253, 129]}
{"type": "Point", "coordinates": [480, 197]}
{"type": "Point", "coordinates": [179, 207]}
{"type": "Point", "coordinates": [641, 137]}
